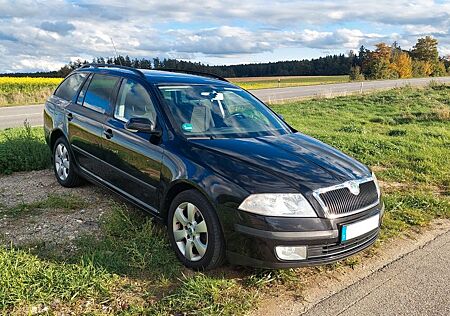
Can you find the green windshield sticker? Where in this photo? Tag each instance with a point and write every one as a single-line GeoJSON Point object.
{"type": "Point", "coordinates": [187, 127]}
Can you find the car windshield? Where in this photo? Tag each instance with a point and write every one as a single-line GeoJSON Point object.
{"type": "Point", "coordinates": [217, 111]}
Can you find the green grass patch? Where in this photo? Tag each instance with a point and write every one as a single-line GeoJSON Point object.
{"type": "Point", "coordinates": [23, 149]}
{"type": "Point", "coordinates": [412, 208]}
{"type": "Point", "coordinates": [26, 279]}
{"type": "Point", "coordinates": [204, 295]}
{"type": "Point", "coordinates": [53, 201]}
{"type": "Point", "coordinates": [132, 245]}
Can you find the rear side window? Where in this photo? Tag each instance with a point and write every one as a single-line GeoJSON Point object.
{"type": "Point", "coordinates": [69, 87]}
{"type": "Point", "coordinates": [98, 95]}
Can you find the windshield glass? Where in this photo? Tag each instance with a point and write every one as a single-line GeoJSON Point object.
{"type": "Point", "coordinates": [215, 111]}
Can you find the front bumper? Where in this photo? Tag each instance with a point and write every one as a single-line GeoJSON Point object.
{"type": "Point", "coordinates": [255, 237]}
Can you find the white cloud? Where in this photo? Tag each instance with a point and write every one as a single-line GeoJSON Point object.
{"type": "Point", "coordinates": [58, 31]}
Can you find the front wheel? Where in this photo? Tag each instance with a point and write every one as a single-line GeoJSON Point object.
{"type": "Point", "coordinates": [195, 232]}
{"type": "Point", "coordinates": [63, 164]}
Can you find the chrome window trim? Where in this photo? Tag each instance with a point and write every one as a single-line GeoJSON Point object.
{"type": "Point", "coordinates": [316, 194]}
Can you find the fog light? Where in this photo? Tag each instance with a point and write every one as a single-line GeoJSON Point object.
{"type": "Point", "coordinates": [291, 253]}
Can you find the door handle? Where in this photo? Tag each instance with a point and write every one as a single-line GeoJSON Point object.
{"type": "Point", "coordinates": [69, 117]}
{"type": "Point", "coordinates": [108, 133]}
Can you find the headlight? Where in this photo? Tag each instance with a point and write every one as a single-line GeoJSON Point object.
{"type": "Point", "coordinates": [274, 204]}
{"type": "Point", "coordinates": [375, 180]}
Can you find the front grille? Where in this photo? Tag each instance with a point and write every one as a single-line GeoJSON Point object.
{"type": "Point", "coordinates": [330, 250]}
{"type": "Point", "coordinates": [340, 201]}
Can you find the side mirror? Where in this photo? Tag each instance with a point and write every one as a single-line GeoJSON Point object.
{"type": "Point", "coordinates": [140, 124]}
{"type": "Point", "coordinates": [281, 117]}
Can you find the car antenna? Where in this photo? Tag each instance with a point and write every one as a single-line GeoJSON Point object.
{"type": "Point", "coordinates": [115, 50]}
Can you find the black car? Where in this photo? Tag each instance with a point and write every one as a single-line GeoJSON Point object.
{"type": "Point", "coordinates": [229, 178]}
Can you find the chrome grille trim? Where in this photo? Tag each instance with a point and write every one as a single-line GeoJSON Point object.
{"type": "Point", "coordinates": [328, 214]}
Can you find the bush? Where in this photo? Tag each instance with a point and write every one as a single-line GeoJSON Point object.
{"type": "Point", "coordinates": [23, 149]}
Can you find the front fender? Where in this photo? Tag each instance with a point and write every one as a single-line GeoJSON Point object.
{"type": "Point", "coordinates": [224, 195]}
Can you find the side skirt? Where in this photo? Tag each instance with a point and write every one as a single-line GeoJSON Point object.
{"type": "Point", "coordinates": [99, 181]}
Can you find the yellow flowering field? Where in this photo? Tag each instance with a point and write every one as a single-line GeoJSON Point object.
{"type": "Point", "coordinates": [26, 90]}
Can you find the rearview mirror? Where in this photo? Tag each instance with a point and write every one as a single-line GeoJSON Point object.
{"type": "Point", "coordinates": [141, 124]}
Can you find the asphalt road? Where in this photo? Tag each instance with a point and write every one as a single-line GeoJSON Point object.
{"type": "Point", "coordinates": [16, 115]}
{"type": "Point", "coordinates": [416, 284]}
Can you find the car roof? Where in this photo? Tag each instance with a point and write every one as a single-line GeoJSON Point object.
{"type": "Point", "coordinates": [158, 76]}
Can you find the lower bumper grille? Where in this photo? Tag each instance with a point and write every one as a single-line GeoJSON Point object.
{"type": "Point", "coordinates": [330, 250]}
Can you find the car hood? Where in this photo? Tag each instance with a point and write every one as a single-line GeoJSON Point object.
{"type": "Point", "coordinates": [300, 160]}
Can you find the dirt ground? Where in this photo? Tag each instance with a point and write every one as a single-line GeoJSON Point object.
{"type": "Point", "coordinates": [49, 226]}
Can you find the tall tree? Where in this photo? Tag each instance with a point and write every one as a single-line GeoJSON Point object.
{"type": "Point", "coordinates": [379, 65]}
{"type": "Point", "coordinates": [426, 50]}
{"type": "Point", "coordinates": [402, 64]}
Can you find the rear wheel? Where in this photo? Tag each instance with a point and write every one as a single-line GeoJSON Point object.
{"type": "Point", "coordinates": [63, 164]}
{"type": "Point", "coordinates": [195, 232]}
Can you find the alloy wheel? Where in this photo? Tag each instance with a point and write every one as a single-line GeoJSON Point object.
{"type": "Point", "coordinates": [61, 160]}
{"type": "Point", "coordinates": [190, 231]}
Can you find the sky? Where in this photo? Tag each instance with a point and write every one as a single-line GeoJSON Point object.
{"type": "Point", "coordinates": [45, 35]}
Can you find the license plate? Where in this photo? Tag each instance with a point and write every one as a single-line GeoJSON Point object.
{"type": "Point", "coordinates": [357, 229]}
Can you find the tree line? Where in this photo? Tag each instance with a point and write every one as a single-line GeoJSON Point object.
{"type": "Point", "coordinates": [385, 62]}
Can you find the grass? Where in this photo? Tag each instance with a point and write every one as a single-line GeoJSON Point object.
{"type": "Point", "coordinates": [24, 278]}
{"type": "Point", "coordinates": [19, 91]}
{"type": "Point", "coordinates": [53, 201]}
{"type": "Point", "coordinates": [403, 134]}
{"type": "Point", "coordinates": [130, 270]}
{"type": "Point", "coordinates": [23, 149]}
{"type": "Point", "coordinates": [283, 82]}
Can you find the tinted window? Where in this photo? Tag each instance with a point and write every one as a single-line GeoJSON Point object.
{"type": "Point", "coordinates": [99, 92]}
{"type": "Point", "coordinates": [70, 86]}
{"type": "Point", "coordinates": [134, 101]}
{"type": "Point", "coordinates": [82, 93]}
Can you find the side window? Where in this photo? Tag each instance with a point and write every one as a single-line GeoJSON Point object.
{"type": "Point", "coordinates": [80, 98]}
{"type": "Point", "coordinates": [70, 86]}
{"type": "Point", "coordinates": [99, 93]}
{"type": "Point", "coordinates": [133, 101]}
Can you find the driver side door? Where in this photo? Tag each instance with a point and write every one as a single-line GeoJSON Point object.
{"type": "Point", "coordinates": [133, 158]}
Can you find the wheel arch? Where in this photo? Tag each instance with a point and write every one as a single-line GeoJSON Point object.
{"type": "Point", "coordinates": [175, 189]}
{"type": "Point", "coordinates": [55, 134]}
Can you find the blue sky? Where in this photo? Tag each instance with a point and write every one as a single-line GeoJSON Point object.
{"type": "Point", "coordinates": [44, 35]}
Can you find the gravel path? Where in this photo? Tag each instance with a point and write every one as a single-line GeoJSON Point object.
{"type": "Point", "coordinates": [49, 226]}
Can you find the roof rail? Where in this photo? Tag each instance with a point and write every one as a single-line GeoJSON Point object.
{"type": "Point", "coordinates": [192, 72]}
{"type": "Point", "coordinates": [135, 70]}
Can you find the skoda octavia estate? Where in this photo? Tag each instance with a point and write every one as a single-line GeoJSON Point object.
{"type": "Point", "coordinates": [228, 176]}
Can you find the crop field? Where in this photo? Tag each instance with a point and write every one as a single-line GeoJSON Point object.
{"type": "Point", "coordinates": [129, 268]}
{"type": "Point", "coordinates": [22, 91]}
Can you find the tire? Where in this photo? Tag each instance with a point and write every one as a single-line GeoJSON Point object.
{"type": "Point", "coordinates": [195, 232]}
{"type": "Point", "coordinates": [63, 164]}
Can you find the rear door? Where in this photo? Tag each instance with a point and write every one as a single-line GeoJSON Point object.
{"type": "Point", "coordinates": [134, 158]}
{"type": "Point", "coordinates": [86, 118]}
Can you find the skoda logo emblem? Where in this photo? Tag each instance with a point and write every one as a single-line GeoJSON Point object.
{"type": "Point", "coordinates": [353, 187]}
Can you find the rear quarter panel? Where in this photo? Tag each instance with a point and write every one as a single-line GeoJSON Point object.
{"type": "Point", "coordinates": [54, 116]}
